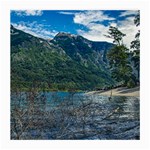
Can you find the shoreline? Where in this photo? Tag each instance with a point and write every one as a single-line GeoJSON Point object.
{"type": "Point", "coordinates": [121, 91]}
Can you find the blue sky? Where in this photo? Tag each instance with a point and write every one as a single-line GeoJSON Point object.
{"type": "Point", "coordinates": [91, 24]}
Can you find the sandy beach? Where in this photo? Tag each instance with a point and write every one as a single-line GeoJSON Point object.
{"type": "Point", "coordinates": [122, 91]}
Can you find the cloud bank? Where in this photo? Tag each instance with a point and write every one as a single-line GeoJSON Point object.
{"type": "Point", "coordinates": [35, 29]}
{"type": "Point", "coordinates": [94, 22]}
{"type": "Point", "coordinates": [28, 12]}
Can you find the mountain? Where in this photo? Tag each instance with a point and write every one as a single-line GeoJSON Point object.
{"type": "Point", "coordinates": [66, 62]}
{"type": "Point", "coordinates": [78, 46]}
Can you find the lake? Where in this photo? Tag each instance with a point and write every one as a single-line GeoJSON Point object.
{"type": "Point", "coordinates": [74, 115]}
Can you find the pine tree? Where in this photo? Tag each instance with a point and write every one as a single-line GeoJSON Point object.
{"type": "Point", "coordinates": [135, 45]}
{"type": "Point", "coordinates": [118, 57]}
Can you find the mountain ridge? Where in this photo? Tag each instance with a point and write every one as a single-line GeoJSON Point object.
{"type": "Point", "coordinates": [63, 63]}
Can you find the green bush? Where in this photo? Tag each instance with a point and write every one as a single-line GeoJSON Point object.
{"type": "Point", "coordinates": [131, 83]}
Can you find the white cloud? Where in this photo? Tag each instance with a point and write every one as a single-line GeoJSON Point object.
{"type": "Point", "coordinates": [94, 35]}
{"type": "Point", "coordinates": [91, 16]}
{"type": "Point", "coordinates": [66, 13]}
{"type": "Point", "coordinates": [92, 20]}
{"type": "Point", "coordinates": [128, 27]}
{"type": "Point", "coordinates": [128, 13]}
{"type": "Point", "coordinates": [35, 29]}
{"type": "Point", "coordinates": [96, 30]}
{"type": "Point", "coordinates": [29, 12]}
{"type": "Point", "coordinates": [114, 24]}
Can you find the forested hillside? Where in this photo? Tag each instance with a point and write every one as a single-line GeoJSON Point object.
{"type": "Point", "coordinates": [67, 62]}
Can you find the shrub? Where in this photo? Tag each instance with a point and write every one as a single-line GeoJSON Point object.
{"type": "Point", "coordinates": [131, 83]}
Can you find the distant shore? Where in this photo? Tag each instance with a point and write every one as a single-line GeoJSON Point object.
{"type": "Point", "coordinates": [122, 91]}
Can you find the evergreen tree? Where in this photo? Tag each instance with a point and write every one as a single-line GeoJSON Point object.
{"type": "Point", "coordinates": [135, 45]}
{"type": "Point", "coordinates": [116, 35]}
{"type": "Point", "coordinates": [118, 57]}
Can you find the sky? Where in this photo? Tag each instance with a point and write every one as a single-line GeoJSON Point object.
{"type": "Point", "coordinates": [91, 24]}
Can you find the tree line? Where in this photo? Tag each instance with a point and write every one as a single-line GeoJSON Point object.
{"type": "Point", "coordinates": [124, 62]}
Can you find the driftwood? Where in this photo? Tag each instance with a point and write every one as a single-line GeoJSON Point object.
{"type": "Point", "coordinates": [63, 120]}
